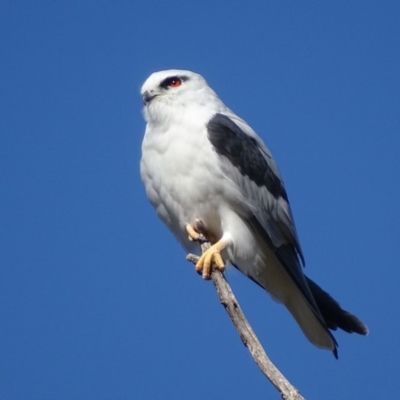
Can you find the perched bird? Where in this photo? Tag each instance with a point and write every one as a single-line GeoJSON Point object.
{"type": "Point", "coordinates": [206, 171]}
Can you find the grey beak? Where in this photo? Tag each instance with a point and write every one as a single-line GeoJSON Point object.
{"type": "Point", "coordinates": [147, 97]}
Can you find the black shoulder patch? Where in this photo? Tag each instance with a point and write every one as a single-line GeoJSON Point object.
{"type": "Point", "coordinates": [243, 152]}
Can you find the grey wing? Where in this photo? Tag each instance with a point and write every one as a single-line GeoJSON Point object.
{"type": "Point", "coordinates": [249, 164]}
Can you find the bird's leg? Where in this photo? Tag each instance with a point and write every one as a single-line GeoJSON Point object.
{"type": "Point", "coordinates": [210, 256]}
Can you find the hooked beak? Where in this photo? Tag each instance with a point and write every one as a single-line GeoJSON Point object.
{"type": "Point", "coordinates": [147, 97]}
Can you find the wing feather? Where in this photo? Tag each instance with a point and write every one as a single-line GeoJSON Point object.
{"type": "Point", "coordinates": [249, 165]}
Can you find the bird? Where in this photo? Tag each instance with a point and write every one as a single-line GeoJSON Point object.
{"type": "Point", "coordinates": [207, 172]}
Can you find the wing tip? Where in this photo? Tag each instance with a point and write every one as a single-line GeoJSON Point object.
{"type": "Point", "coordinates": [335, 352]}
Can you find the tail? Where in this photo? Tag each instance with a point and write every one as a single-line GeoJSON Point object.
{"type": "Point", "coordinates": [334, 315]}
{"type": "Point", "coordinates": [317, 313]}
{"type": "Point", "coordinates": [278, 271]}
{"type": "Point", "coordinates": [298, 299]}
{"type": "Point", "coordinates": [316, 325]}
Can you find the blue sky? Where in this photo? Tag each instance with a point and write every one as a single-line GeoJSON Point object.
{"type": "Point", "coordinates": [96, 298]}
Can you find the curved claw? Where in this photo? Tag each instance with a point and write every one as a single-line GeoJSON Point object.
{"type": "Point", "coordinates": [210, 256]}
{"type": "Point", "coordinates": [193, 235]}
{"type": "Point", "coordinates": [196, 232]}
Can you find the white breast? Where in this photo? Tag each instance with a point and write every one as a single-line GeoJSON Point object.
{"type": "Point", "coordinates": [181, 174]}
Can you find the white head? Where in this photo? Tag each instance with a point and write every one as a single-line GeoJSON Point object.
{"type": "Point", "coordinates": [175, 88]}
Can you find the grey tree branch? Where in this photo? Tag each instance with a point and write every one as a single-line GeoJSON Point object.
{"type": "Point", "coordinates": [246, 333]}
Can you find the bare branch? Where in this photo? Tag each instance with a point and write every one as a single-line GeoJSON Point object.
{"type": "Point", "coordinates": [249, 338]}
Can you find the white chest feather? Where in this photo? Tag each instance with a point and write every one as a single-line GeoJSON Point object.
{"type": "Point", "coordinates": [182, 177]}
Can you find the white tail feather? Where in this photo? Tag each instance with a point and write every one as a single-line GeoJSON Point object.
{"type": "Point", "coordinates": [273, 277]}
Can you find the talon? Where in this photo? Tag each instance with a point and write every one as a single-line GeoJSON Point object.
{"type": "Point", "coordinates": [192, 234]}
{"type": "Point", "coordinates": [210, 257]}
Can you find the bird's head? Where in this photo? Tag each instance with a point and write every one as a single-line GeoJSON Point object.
{"type": "Point", "coordinates": [164, 91]}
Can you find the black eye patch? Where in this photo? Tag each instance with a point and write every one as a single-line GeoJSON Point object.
{"type": "Point", "coordinates": [171, 81]}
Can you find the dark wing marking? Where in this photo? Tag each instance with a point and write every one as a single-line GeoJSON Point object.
{"type": "Point", "coordinates": [255, 172]}
{"type": "Point", "coordinates": [243, 152]}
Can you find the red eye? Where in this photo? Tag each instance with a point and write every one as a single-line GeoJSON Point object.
{"type": "Point", "coordinates": [175, 82]}
{"type": "Point", "coordinates": [172, 82]}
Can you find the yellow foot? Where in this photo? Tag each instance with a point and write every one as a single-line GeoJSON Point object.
{"type": "Point", "coordinates": [210, 256]}
{"type": "Point", "coordinates": [196, 232]}
{"type": "Point", "coordinates": [192, 233]}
